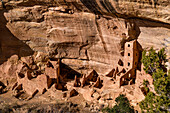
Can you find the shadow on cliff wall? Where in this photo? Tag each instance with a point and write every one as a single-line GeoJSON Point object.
{"type": "Point", "coordinates": [68, 72]}
{"type": "Point", "coordinates": [92, 6]}
{"type": "Point", "coordinates": [9, 44]}
{"type": "Point", "coordinates": [98, 8]}
{"type": "Point", "coordinates": [150, 23]}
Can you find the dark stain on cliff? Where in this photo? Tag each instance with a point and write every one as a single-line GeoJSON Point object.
{"type": "Point", "coordinates": [9, 44]}
{"type": "Point", "coordinates": [108, 6]}
{"type": "Point", "coordinates": [92, 6]}
{"type": "Point", "coordinates": [101, 36]}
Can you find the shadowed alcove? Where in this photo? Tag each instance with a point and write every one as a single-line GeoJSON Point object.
{"type": "Point", "coordinates": [9, 44]}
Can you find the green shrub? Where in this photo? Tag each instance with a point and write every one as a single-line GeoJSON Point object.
{"type": "Point", "coordinates": [154, 64]}
{"type": "Point", "coordinates": [122, 106]}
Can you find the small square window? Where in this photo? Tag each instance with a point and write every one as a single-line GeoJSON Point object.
{"type": "Point", "coordinates": [129, 75]}
{"type": "Point", "coordinates": [128, 64]}
{"type": "Point", "coordinates": [128, 45]}
{"type": "Point", "coordinates": [128, 54]}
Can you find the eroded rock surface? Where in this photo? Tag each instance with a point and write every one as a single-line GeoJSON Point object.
{"type": "Point", "coordinates": [91, 40]}
{"type": "Point", "coordinates": [89, 36]}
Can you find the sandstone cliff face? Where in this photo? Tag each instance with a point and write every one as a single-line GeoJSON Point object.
{"type": "Point", "coordinates": [150, 9]}
{"type": "Point", "coordinates": [87, 34]}
{"type": "Point", "coordinates": [9, 44]}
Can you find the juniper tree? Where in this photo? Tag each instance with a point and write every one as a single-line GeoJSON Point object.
{"type": "Point", "coordinates": [154, 64]}
{"type": "Point", "coordinates": [122, 106]}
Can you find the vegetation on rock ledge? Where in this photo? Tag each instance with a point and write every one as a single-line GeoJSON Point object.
{"type": "Point", "coordinates": [122, 106]}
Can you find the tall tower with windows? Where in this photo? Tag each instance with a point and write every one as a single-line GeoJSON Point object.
{"type": "Point", "coordinates": [131, 55]}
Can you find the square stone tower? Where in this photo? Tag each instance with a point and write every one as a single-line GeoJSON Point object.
{"type": "Point", "coordinates": [131, 55]}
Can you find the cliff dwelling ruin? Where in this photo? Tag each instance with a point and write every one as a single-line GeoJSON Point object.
{"type": "Point", "coordinates": [86, 52]}
{"type": "Point", "coordinates": [63, 82]}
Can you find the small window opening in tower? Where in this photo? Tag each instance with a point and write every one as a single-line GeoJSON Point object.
{"type": "Point", "coordinates": [123, 79]}
{"type": "Point", "coordinates": [128, 54]}
{"type": "Point", "coordinates": [128, 64]}
{"type": "Point", "coordinates": [128, 45]}
{"type": "Point", "coordinates": [135, 63]}
{"type": "Point", "coordinates": [129, 75]}
{"type": "Point", "coordinates": [136, 54]}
